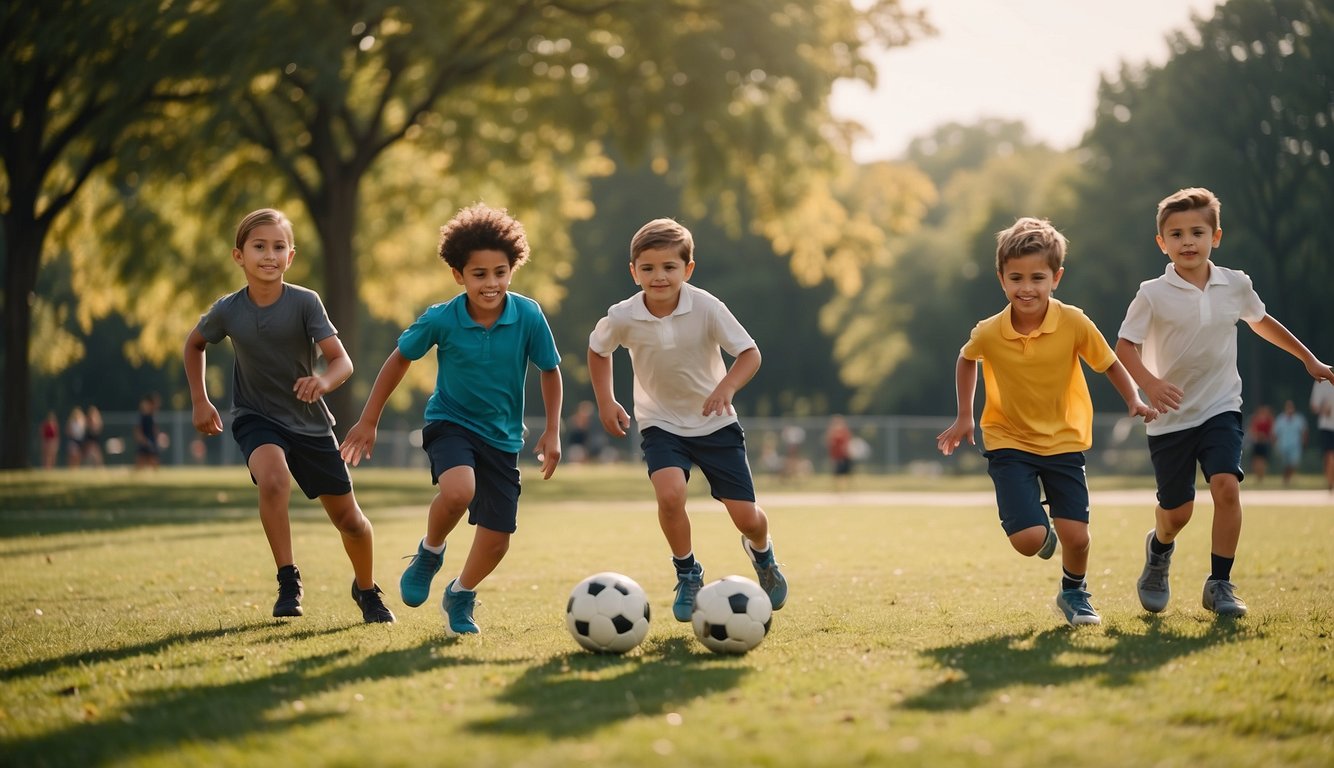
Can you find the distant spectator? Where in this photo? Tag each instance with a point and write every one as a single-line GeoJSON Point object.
{"type": "Point", "coordinates": [838, 441]}
{"type": "Point", "coordinates": [50, 440]}
{"type": "Point", "coordinates": [1261, 434]}
{"type": "Point", "coordinates": [579, 447]}
{"type": "Point", "coordinates": [1322, 404]}
{"type": "Point", "coordinates": [147, 454]}
{"type": "Point", "coordinates": [92, 438]}
{"type": "Point", "coordinates": [1289, 439]}
{"type": "Point", "coordinates": [76, 429]}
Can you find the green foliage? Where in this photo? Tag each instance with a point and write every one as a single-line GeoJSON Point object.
{"type": "Point", "coordinates": [154, 647]}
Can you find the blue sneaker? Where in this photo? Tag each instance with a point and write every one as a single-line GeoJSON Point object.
{"type": "Point", "coordinates": [1074, 603]}
{"type": "Point", "coordinates": [766, 568]}
{"type": "Point", "coordinates": [415, 584]}
{"type": "Point", "coordinates": [1048, 546]}
{"type": "Point", "coordinates": [688, 584]}
{"type": "Point", "coordinates": [457, 607]}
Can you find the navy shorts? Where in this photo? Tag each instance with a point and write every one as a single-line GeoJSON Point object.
{"type": "Point", "coordinates": [495, 500]}
{"type": "Point", "coordinates": [314, 462]}
{"type": "Point", "coordinates": [720, 455]}
{"type": "Point", "coordinates": [1327, 440]}
{"type": "Point", "coordinates": [1016, 475]}
{"type": "Point", "coordinates": [1215, 445]}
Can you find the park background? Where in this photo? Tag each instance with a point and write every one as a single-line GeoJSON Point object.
{"type": "Point", "coordinates": [137, 133]}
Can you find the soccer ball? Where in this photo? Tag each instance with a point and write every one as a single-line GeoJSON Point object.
{"type": "Point", "coordinates": [732, 615]}
{"type": "Point", "coordinates": [607, 613]}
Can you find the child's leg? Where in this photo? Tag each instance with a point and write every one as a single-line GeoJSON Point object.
{"type": "Point", "coordinates": [488, 549]}
{"type": "Point", "coordinates": [1329, 469]}
{"type": "Point", "coordinates": [1169, 522]}
{"type": "Point", "coordinates": [357, 533]}
{"type": "Point", "coordinates": [750, 519]}
{"type": "Point", "coordinates": [268, 465]}
{"type": "Point", "coordinates": [669, 486]}
{"type": "Point", "coordinates": [457, 486]}
{"type": "Point", "coordinates": [1226, 490]}
{"type": "Point", "coordinates": [1075, 539]}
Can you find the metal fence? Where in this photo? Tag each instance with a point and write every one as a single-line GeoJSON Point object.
{"type": "Point", "coordinates": [788, 446]}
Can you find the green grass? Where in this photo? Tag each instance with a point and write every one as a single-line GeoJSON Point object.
{"type": "Point", "coordinates": [135, 632]}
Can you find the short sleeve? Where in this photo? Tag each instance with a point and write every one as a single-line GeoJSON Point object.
{"type": "Point", "coordinates": [418, 338]}
{"type": "Point", "coordinates": [972, 349]}
{"type": "Point", "coordinates": [1135, 326]}
{"type": "Point", "coordinates": [212, 324]}
{"type": "Point", "coordinates": [605, 337]}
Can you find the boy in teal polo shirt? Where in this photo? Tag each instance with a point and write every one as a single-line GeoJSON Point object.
{"type": "Point", "coordinates": [484, 338]}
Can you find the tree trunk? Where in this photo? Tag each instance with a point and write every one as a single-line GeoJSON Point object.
{"type": "Point", "coordinates": [336, 222]}
{"type": "Point", "coordinates": [23, 254]}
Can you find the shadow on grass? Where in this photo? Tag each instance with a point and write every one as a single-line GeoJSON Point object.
{"type": "Point", "coordinates": [573, 695]}
{"type": "Point", "coordinates": [977, 670]}
{"type": "Point", "coordinates": [159, 720]}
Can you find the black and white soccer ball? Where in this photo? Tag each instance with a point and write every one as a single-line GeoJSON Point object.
{"type": "Point", "coordinates": [732, 615]}
{"type": "Point", "coordinates": [607, 613]}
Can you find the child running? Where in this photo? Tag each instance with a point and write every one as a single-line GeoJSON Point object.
{"type": "Point", "coordinates": [683, 401]}
{"type": "Point", "coordinates": [279, 418]}
{"type": "Point", "coordinates": [485, 338]}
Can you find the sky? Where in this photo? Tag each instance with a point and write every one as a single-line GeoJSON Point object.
{"type": "Point", "coordinates": [1033, 60]}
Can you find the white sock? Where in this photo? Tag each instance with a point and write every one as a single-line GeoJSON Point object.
{"type": "Point", "coordinates": [435, 550]}
{"type": "Point", "coordinates": [768, 544]}
{"type": "Point", "coordinates": [456, 587]}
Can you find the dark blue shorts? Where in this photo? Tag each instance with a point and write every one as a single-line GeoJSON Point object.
{"type": "Point", "coordinates": [495, 500]}
{"type": "Point", "coordinates": [720, 455]}
{"type": "Point", "coordinates": [314, 462]}
{"type": "Point", "coordinates": [1326, 440]}
{"type": "Point", "coordinates": [1215, 445]}
{"type": "Point", "coordinates": [1016, 475]}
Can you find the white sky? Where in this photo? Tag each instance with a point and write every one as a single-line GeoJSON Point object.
{"type": "Point", "coordinates": [1035, 60]}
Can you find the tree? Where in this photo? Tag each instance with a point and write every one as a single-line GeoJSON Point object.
{"type": "Point", "coordinates": [79, 77]}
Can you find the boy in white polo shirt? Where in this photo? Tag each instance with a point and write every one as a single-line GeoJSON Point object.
{"type": "Point", "coordinates": [1179, 343]}
{"type": "Point", "coordinates": [683, 391]}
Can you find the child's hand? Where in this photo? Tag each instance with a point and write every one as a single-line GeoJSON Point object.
{"type": "Point", "coordinates": [1138, 408]}
{"type": "Point", "coordinates": [548, 452]}
{"type": "Point", "coordinates": [308, 389]}
{"type": "Point", "coordinates": [1319, 371]}
{"type": "Point", "coordinates": [206, 419]}
{"type": "Point", "coordinates": [960, 430]}
{"type": "Point", "coordinates": [614, 419]}
{"type": "Point", "coordinates": [358, 443]}
{"type": "Point", "coordinates": [719, 402]}
{"type": "Point", "coordinates": [1163, 395]}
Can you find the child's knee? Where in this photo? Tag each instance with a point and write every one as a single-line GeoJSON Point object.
{"type": "Point", "coordinates": [273, 483]}
{"type": "Point", "coordinates": [1225, 488]}
{"type": "Point", "coordinates": [1028, 541]}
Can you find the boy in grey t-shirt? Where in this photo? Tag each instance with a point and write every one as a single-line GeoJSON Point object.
{"type": "Point", "coordinates": [278, 413]}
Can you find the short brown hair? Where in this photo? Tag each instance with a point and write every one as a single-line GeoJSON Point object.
{"type": "Point", "coordinates": [259, 218]}
{"type": "Point", "coordinates": [1190, 199]}
{"type": "Point", "coordinates": [480, 227]}
{"type": "Point", "coordinates": [1027, 236]}
{"type": "Point", "coordinates": [663, 233]}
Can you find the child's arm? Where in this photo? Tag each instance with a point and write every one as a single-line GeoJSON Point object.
{"type": "Point", "coordinates": [548, 445]}
{"type": "Point", "coordinates": [965, 386]}
{"type": "Point", "coordinates": [205, 417]}
{"type": "Point", "coordinates": [1120, 379]}
{"type": "Point", "coordinates": [742, 371]}
{"type": "Point", "coordinates": [361, 437]}
{"type": "Point", "coordinates": [613, 417]}
{"type": "Point", "coordinates": [1163, 395]}
{"type": "Point", "coordinates": [1273, 332]}
{"type": "Point", "coordinates": [337, 370]}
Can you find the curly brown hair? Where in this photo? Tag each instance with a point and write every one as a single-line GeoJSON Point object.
{"type": "Point", "coordinates": [480, 227]}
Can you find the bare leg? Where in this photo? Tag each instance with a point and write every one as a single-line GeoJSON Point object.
{"type": "Point", "coordinates": [268, 465]}
{"type": "Point", "coordinates": [750, 519]}
{"type": "Point", "coordinates": [1226, 490]}
{"type": "Point", "coordinates": [358, 536]}
{"type": "Point", "coordinates": [1028, 541]}
{"type": "Point", "coordinates": [457, 485]}
{"type": "Point", "coordinates": [1074, 537]}
{"type": "Point", "coordinates": [669, 485]}
{"type": "Point", "coordinates": [488, 549]}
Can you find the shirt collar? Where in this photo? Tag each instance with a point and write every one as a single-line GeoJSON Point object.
{"type": "Point", "coordinates": [1216, 276]}
{"type": "Point", "coordinates": [508, 313]}
{"type": "Point", "coordinates": [684, 303]}
{"type": "Point", "coordinates": [1049, 322]}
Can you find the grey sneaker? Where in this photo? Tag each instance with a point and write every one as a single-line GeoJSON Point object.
{"type": "Point", "coordinates": [1221, 597]}
{"type": "Point", "coordinates": [767, 571]}
{"type": "Point", "coordinates": [415, 584]}
{"type": "Point", "coordinates": [457, 607]}
{"type": "Point", "coordinates": [1074, 604]}
{"type": "Point", "coordinates": [1153, 589]}
{"type": "Point", "coordinates": [1048, 546]}
{"type": "Point", "coordinates": [688, 585]}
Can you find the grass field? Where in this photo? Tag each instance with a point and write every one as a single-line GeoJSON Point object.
{"type": "Point", "coordinates": [136, 632]}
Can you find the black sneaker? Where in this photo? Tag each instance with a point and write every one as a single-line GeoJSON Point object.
{"type": "Point", "coordinates": [373, 609]}
{"type": "Point", "coordinates": [290, 592]}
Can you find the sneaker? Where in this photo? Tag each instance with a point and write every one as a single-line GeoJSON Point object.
{"type": "Point", "coordinates": [290, 592]}
{"type": "Point", "coordinates": [373, 609]}
{"type": "Point", "coordinates": [688, 584]}
{"type": "Point", "coordinates": [1048, 546]}
{"type": "Point", "coordinates": [1153, 589]}
{"type": "Point", "coordinates": [457, 607]}
{"type": "Point", "coordinates": [766, 568]}
{"type": "Point", "coordinates": [1221, 597]}
{"type": "Point", "coordinates": [1074, 603]}
{"type": "Point", "coordinates": [415, 584]}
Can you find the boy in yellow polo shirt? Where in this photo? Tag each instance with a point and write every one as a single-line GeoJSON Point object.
{"type": "Point", "coordinates": [1038, 417]}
